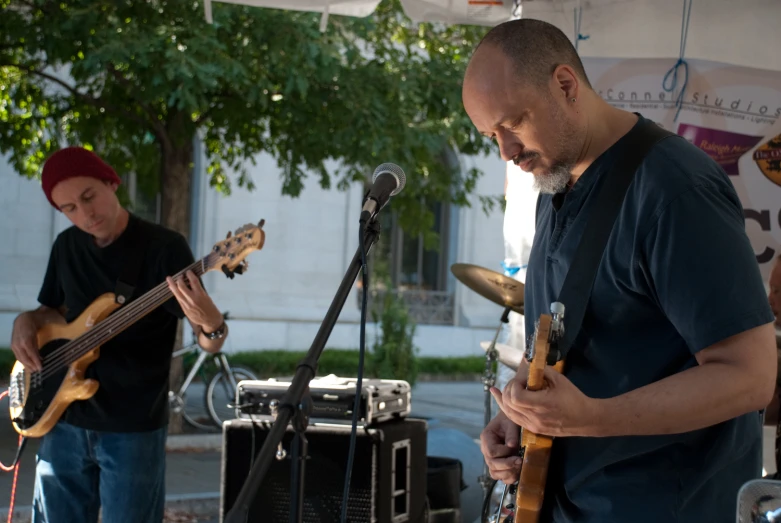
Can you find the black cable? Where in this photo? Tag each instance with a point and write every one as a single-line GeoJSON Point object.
{"type": "Point", "coordinates": [19, 451]}
{"type": "Point", "coordinates": [358, 385]}
{"type": "Point", "coordinates": [485, 516]}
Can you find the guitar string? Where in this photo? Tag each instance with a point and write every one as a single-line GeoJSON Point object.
{"type": "Point", "coordinates": [113, 325]}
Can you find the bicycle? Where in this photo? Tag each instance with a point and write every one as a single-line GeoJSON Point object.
{"type": "Point", "coordinates": [225, 380]}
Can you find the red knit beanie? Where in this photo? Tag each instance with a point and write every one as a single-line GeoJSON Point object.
{"type": "Point", "coordinates": [70, 163]}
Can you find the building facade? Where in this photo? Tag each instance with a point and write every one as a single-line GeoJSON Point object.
{"type": "Point", "coordinates": [280, 302]}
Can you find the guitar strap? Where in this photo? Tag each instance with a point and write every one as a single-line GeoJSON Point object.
{"type": "Point", "coordinates": [579, 281]}
{"type": "Point", "coordinates": [135, 252]}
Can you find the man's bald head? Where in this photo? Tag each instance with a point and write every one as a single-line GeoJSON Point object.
{"type": "Point", "coordinates": [523, 89]}
{"type": "Point", "coordinates": [534, 49]}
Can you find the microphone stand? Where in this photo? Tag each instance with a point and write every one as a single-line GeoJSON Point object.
{"type": "Point", "coordinates": [296, 404]}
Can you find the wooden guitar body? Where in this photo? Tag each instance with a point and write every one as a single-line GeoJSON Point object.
{"type": "Point", "coordinates": [528, 493]}
{"type": "Point", "coordinates": [44, 400]}
{"type": "Point", "coordinates": [536, 447]}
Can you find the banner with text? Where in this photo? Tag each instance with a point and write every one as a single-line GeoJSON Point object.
{"type": "Point", "coordinates": [732, 113]}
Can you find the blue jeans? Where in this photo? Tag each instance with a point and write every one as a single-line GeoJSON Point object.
{"type": "Point", "coordinates": [80, 470]}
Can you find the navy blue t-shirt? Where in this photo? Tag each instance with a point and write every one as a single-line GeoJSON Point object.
{"type": "Point", "coordinates": [678, 274]}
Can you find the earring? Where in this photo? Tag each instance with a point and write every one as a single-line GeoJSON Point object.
{"type": "Point", "coordinates": [573, 100]}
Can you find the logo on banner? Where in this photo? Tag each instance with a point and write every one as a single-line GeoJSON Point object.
{"type": "Point", "coordinates": [725, 147]}
{"type": "Point", "coordinates": [768, 159]}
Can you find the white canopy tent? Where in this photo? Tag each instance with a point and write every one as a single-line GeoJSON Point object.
{"type": "Point", "coordinates": [743, 32]}
{"type": "Point", "coordinates": [482, 12]}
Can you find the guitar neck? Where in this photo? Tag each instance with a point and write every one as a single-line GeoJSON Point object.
{"type": "Point", "coordinates": [130, 314]}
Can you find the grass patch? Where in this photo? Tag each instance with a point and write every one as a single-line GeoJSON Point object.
{"type": "Point", "coordinates": [7, 360]}
{"type": "Point", "coordinates": [342, 362]}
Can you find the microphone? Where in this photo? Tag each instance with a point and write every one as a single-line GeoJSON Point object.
{"type": "Point", "coordinates": [388, 180]}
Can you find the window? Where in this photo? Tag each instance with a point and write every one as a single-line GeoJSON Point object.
{"type": "Point", "coordinates": [401, 264]}
{"type": "Point", "coordinates": [408, 265]}
{"type": "Point", "coordinates": [141, 204]}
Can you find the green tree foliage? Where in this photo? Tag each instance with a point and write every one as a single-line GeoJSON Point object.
{"type": "Point", "coordinates": [394, 354]}
{"type": "Point", "coordinates": [139, 80]}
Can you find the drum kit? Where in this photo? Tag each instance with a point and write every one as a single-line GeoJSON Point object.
{"type": "Point", "coordinates": [508, 293]}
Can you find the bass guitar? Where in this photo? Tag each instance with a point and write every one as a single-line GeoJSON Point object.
{"type": "Point", "coordinates": [524, 497]}
{"type": "Point", "coordinates": [38, 399]}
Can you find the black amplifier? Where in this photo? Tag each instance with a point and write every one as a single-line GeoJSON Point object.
{"type": "Point", "coordinates": [333, 399]}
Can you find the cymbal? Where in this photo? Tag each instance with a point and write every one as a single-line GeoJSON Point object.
{"type": "Point", "coordinates": [507, 354]}
{"type": "Point", "coordinates": [498, 288]}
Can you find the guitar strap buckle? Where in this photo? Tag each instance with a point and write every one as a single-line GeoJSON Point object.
{"type": "Point", "coordinates": [123, 292]}
{"type": "Point", "coordinates": [135, 251]}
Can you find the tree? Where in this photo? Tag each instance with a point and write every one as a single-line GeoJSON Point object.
{"type": "Point", "coordinates": [139, 81]}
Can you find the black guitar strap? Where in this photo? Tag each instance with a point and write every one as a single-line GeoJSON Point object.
{"type": "Point", "coordinates": [135, 252]}
{"type": "Point", "coordinates": [579, 281]}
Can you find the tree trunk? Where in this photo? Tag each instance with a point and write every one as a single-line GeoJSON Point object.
{"type": "Point", "coordinates": [176, 176]}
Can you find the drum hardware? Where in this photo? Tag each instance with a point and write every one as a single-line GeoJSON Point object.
{"type": "Point", "coordinates": [504, 291]}
{"type": "Point", "coordinates": [506, 354]}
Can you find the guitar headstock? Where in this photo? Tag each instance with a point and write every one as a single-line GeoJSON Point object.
{"type": "Point", "coordinates": [229, 254]}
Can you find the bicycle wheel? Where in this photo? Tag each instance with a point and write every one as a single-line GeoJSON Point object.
{"type": "Point", "coordinates": [193, 411]}
{"type": "Point", "coordinates": [219, 394]}
{"type": "Point", "coordinates": [193, 414]}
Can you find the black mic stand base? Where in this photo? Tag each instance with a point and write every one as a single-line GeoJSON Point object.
{"type": "Point", "coordinates": [296, 404]}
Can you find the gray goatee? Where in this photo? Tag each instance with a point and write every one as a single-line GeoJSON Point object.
{"type": "Point", "coordinates": [554, 181]}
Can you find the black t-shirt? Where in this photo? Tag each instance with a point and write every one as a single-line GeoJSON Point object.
{"type": "Point", "coordinates": [678, 275]}
{"type": "Point", "coordinates": [133, 368]}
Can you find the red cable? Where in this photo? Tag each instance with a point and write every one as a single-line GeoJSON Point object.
{"type": "Point", "coordinates": [15, 468]}
{"type": "Point", "coordinates": [13, 489]}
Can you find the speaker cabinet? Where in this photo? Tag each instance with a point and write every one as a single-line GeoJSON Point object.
{"type": "Point", "coordinates": [388, 482]}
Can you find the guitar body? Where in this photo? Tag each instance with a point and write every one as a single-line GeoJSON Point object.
{"type": "Point", "coordinates": [526, 496]}
{"type": "Point", "coordinates": [45, 398]}
{"type": "Point", "coordinates": [536, 448]}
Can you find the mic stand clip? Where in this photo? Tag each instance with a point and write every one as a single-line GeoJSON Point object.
{"type": "Point", "coordinates": [300, 421]}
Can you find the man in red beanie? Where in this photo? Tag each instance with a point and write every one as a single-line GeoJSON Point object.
{"type": "Point", "coordinates": [109, 450]}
